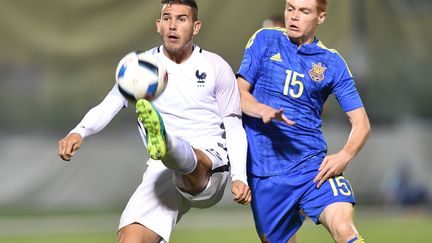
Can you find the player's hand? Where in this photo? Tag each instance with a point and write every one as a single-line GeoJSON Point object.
{"type": "Point", "coordinates": [332, 165]}
{"type": "Point", "coordinates": [68, 145]}
{"type": "Point", "coordinates": [270, 114]}
{"type": "Point", "coordinates": [242, 192]}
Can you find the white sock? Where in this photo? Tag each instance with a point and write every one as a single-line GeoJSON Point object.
{"type": "Point", "coordinates": [180, 157]}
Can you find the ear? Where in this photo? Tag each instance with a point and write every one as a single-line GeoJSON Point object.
{"type": "Point", "coordinates": [321, 18]}
{"type": "Point", "coordinates": [158, 25]}
{"type": "Point", "coordinates": [196, 27]}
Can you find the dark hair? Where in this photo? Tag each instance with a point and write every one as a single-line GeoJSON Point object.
{"type": "Point", "coordinates": [321, 5]}
{"type": "Point", "coordinates": [190, 3]}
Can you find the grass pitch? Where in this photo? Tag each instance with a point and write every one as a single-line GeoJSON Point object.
{"type": "Point", "coordinates": [213, 226]}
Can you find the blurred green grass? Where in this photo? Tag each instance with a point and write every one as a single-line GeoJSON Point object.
{"type": "Point", "coordinates": [413, 230]}
{"type": "Point", "coordinates": [237, 227]}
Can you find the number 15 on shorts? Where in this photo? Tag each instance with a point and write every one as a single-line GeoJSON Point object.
{"type": "Point", "coordinates": [340, 185]}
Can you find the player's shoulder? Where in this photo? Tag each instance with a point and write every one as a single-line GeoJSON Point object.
{"type": "Point", "coordinates": [333, 57]}
{"type": "Point", "coordinates": [331, 53]}
{"type": "Point", "coordinates": [210, 56]}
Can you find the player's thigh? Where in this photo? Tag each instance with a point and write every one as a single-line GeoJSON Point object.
{"type": "Point", "coordinates": [338, 219]}
{"type": "Point", "coordinates": [339, 213]}
{"type": "Point", "coordinates": [196, 181]}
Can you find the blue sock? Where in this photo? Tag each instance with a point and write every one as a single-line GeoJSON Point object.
{"type": "Point", "coordinates": [356, 239]}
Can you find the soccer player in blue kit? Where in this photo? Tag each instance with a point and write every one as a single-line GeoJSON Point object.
{"type": "Point", "coordinates": [285, 77]}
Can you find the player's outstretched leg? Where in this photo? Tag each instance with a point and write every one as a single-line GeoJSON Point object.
{"type": "Point", "coordinates": [154, 128]}
{"type": "Point", "coordinates": [338, 219]}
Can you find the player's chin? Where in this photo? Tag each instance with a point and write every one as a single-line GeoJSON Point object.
{"type": "Point", "coordinates": [294, 35]}
{"type": "Point", "coordinates": [172, 46]}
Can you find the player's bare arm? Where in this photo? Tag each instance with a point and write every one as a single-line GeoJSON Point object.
{"type": "Point", "coordinates": [335, 164]}
{"type": "Point", "coordinates": [68, 145]}
{"type": "Point", "coordinates": [252, 107]}
{"type": "Point", "coordinates": [241, 191]}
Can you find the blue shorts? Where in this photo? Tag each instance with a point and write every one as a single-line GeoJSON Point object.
{"type": "Point", "coordinates": [280, 202]}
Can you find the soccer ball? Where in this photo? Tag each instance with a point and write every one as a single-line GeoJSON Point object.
{"type": "Point", "coordinates": [141, 76]}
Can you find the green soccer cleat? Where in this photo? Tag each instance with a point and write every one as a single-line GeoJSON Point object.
{"type": "Point", "coordinates": [154, 128]}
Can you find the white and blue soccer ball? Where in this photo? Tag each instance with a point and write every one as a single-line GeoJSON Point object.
{"type": "Point", "coordinates": [141, 76]}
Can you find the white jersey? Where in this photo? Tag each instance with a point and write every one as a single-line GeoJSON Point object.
{"type": "Point", "coordinates": [200, 91]}
{"type": "Point", "coordinates": [201, 101]}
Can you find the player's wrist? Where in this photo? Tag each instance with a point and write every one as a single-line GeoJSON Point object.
{"type": "Point", "coordinates": [239, 178]}
{"type": "Point", "coordinates": [80, 131]}
{"type": "Point", "coordinates": [347, 154]}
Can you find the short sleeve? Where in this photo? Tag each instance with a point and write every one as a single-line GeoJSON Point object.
{"type": "Point", "coordinates": [344, 87]}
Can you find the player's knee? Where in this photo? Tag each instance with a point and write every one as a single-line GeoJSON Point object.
{"type": "Point", "coordinates": [191, 184]}
{"type": "Point", "coordinates": [136, 233]}
{"type": "Point", "coordinates": [343, 232]}
{"type": "Point", "coordinates": [196, 182]}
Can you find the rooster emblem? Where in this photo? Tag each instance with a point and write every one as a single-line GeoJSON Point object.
{"type": "Point", "coordinates": [200, 77]}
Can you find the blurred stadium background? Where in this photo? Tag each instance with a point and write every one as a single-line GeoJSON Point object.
{"type": "Point", "coordinates": [57, 60]}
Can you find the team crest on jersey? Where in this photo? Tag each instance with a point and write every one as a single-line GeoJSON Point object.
{"type": "Point", "coordinates": [317, 72]}
{"type": "Point", "coordinates": [201, 78]}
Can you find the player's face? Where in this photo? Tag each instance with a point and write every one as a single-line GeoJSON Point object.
{"type": "Point", "coordinates": [301, 20]}
{"type": "Point", "coordinates": [177, 28]}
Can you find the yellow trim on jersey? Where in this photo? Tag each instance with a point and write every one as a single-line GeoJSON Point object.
{"type": "Point", "coordinates": [320, 44]}
{"type": "Point", "coordinates": [251, 40]}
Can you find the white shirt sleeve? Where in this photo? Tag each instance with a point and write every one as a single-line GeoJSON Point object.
{"type": "Point", "coordinates": [237, 147]}
{"type": "Point", "coordinates": [99, 116]}
{"type": "Point", "coordinates": [228, 99]}
{"type": "Point", "coordinates": [227, 92]}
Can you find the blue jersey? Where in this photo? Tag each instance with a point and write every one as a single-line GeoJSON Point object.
{"type": "Point", "coordinates": [299, 80]}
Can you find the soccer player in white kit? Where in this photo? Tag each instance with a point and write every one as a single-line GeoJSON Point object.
{"type": "Point", "coordinates": [188, 131]}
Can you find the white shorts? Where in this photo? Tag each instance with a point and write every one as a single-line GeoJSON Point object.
{"type": "Point", "coordinates": [158, 204]}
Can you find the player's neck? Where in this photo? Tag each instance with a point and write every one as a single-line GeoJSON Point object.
{"type": "Point", "coordinates": [179, 56]}
{"type": "Point", "coordinates": [302, 40]}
